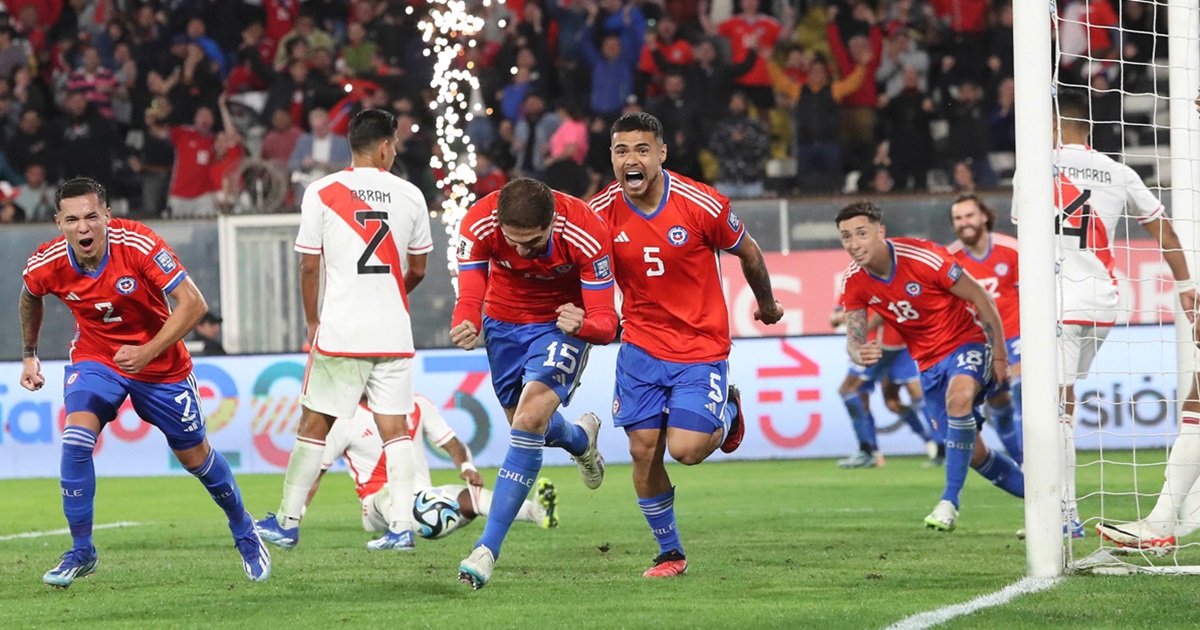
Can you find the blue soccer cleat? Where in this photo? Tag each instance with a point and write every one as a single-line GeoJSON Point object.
{"type": "Point", "coordinates": [393, 541]}
{"type": "Point", "coordinates": [271, 531]}
{"type": "Point", "coordinates": [76, 563]}
{"type": "Point", "coordinates": [256, 559]}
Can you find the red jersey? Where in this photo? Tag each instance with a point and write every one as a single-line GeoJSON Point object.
{"type": "Point", "coordinates": [916, 299]}
{"type": "Point", "coordinates": [193, 157]}
{"type": "Point", "coordinates": [576, 268]}
{"type": "Point", "coordinates": [998, 273]}
{"type": "Point", "coordinates": [740, 30]}
{"type": "Point", "coordinates": [123, 303]}
{"type": "Point", "coordinates": [666, 266]}
{"type": "Point", "coordinates": [890, 338]}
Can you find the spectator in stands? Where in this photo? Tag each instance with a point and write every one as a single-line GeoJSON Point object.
{"type": "Point", "coordinates": [900, 53]}
{"type": "Point", "coordinates": [152, 165]}
{"type": "Point", "coordinates": [30, 144]}
{"type": "Point", "coordinates": [191, 191]}
{"type": "Point", "coordinates": [1003, 124]}
{"type": "Point", "coordinates": [10, 212]}
{"type": "Point", "coordinates": [907, 149]}
{"type": "Point", "coordinates": [199, 82]}
{"type": "Point", "coordinates": [969, 140]}
{"type": "Point", "coordinates": [531, 137]}
{"type": "Point", "coordinates": [36, 195]}
{"type": "Point", "coordinates": [95, 81]}
{"type": "Point", "coordinates": [208, 334]}
{"type": "Point", "coordinates": [357, 52]}
{"type": "Point", "coordinates": [280, 140]}
{"type": "Point", "coordinates": [197, 35]}
{"type": "Point", "coordinates": [1141, 35]}
{"type": "Point", "coordinates": [664, 40]}
{"type": "Point", "coordinates": [488, 177]}
{"type": "Point", "coordinates": [295, 91]}
{"type": "Point", "coordinates": [749, 31]}
{"type": "Point", "coordinates": [613, 65]}
{"type": "Point", "coordinates": [709, 80]}
{"type": "Point", "coordinates": [414, 151]}
{"type": "Point", "coordinates": [963, 26]}
{"type": "Point", "coordinates": [524, 81]}
{"type": "Point", "coordinates": [818, 127]}
{"type": "Point", "coordinates": [306, 30]}
{"type": "Point", "coordinates": [566, 151]}
{"type": "Point", "coordinates": [247, 75]}
{"type": "Point", "coordinates": [501, 151]}
{"type": "Point", "coordinates": [13, 54]}
{"type": "Point", "coordinates": [1000, 44]}
{"type": "Point", "coordinates": [86, 141]}
{"type": "Point", "coordinates": [317, 153]}
{"type": "Point", "coordinates": [858, 107]}
{"type": "Point", "coordinates": [740, 144]}
{"type": "Point", "coordinates": [29, 91]}
{"type": "Point", "coordinates": [681, 120]}
{"type": "Point", "coordinates": [1107, 114]}
{"type": "Point", "coordinates": [127, 77]}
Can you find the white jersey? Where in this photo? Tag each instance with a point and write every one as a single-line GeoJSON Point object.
{"type": "Point", "coordinates": [1091, 194]}
{"type": "Point", "coordinates": [357, 439]}
{"type": "Point", "coordinates": [363, 222]}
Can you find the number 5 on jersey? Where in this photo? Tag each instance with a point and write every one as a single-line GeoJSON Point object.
{"type": "Point", "coordinates": [656, 263]}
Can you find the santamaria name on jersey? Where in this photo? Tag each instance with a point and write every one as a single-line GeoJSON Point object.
{"type": "Point", "coordinates": [1090, 174]}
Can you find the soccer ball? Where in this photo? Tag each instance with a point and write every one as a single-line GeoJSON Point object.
{"type": "Point", "coordinates": [435, 513]}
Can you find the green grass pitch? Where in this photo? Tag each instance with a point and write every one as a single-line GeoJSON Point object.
{"type": "Point", "coordinates": [781, 544]}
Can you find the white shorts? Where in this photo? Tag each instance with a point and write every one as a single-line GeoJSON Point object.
{"type": "Point", "coordinates": [1077, 348]}
{"type": "Point", "coordinates": [334, 385]}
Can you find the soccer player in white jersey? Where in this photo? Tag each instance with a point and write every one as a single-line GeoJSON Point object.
{"type": "Point", "coordinates": [356, 439]}
{"type": "Point", "coordinates": [371, 230]}
{"type": "Point", "coordinates": [1092, 192]}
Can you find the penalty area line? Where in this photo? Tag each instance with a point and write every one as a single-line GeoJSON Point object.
{"type": "Point", "coordinates": [1025, 586]}
{"type": "Point", "coordinates": [59, 532]}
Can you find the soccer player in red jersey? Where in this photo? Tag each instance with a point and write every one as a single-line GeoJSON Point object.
{"type": "Point", "coordinates": [952, 329]}
{"type": "Point", "coordinates": [537, 264]}
{"type": "Point", "coordinates": [666, 231]}
{"type": "Point", "coordinates": [114, 275]}
{"type": "Point", "coordinates": [991, 258]}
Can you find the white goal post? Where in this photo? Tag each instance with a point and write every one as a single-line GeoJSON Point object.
{"type": "Point", "coordinates": [1035, 25]}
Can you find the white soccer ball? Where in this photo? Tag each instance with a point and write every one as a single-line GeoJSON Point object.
{"type": "Point", "coordinates": [435, 513]}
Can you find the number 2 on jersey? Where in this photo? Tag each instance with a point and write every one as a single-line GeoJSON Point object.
{"type": "Point", "coordinates": [904, 311]}
{"type": "Point", "coordinates": [381, 232]}
{"type": "Point", "coordinates": [110, 315]}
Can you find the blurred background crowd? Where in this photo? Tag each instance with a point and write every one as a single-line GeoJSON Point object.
{"type": "Point", "coordinates": [190, 108]}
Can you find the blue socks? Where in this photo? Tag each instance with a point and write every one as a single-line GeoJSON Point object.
{"type": "Point", "coordinates": [566, 435]}
{"type": "Point", "coordinates": [660, 514]}
{"type": "Point", "coordinates": [960, 441]}
{"type": "Point", "coordinates": [863, 423]}
{"type": "Point", "coordinates": [513, 482]}
{"type": "Point", "coordinates": [1008, 430]}
{"type": "Point", "coordinates": [77, 473]}
{"type": "Point", "coordinates": [1003, 473]}
{"type": "Point", "coordinates": [218, 479]}
{"type": "Point", "coordinates": [913, 418]}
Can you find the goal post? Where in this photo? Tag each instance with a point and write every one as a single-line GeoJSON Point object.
{"type": "Point", "coordinates": [1183, 51]}
{"type": "Point", "coordinates": [1033, 194]}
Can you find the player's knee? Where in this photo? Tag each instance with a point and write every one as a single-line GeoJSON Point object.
{"type": "Point", "coordinates": [894, 405]}
{"type": "Point", "coordinates": [641, 452]}
{"type": "Point", "coordinates": [529, 422]}
{"type": "Point", "coordinates": [958, 403]}
{"type": "Point", "coordinates": [688, 454]}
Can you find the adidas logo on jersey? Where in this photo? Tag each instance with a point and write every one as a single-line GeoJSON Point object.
{"type": "Point", "coordinates": [874, 300]}
{"type": "Point", "coordinates": [621, 238]}
{"type": "Point", "coordinates": [712, 408]}
{"type": "Point", "coordinates": [71, 297]}
{"type": "Point", "coordinates": [561, 378]}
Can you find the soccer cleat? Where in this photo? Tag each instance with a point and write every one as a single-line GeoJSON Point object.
{"type": "Point", "coordinates": [256, 559]}
{"type": "Point", "coordinates": [591, 463]}
{"type": "Point", "coordinates": [393, 541]}
{"type": "Point", "coordinates": [942, 517]}
{"type": "Point", "coordinates": [669, 564]}
{"type": "Point", "coordinates": [1138, 535]}
{"type": "Point", "coordinates": [547, 499]}
{"type": "Point", "coordinates": [931, 449]}
{"type": "Point", "coordinates": [76, 563]}
{"type": "Point", "coordinates": [271, 531]}
{"type": "Point", "coordinates": [737, 426]}
{"type": "Point", "coordinates": [862, 459]}
{"type": "Point", "coordinates": [934, 462]}
{"type": "Point", "coordinates": [476, 569]}
{"type": "Point", "coordinates": [1074, 529]}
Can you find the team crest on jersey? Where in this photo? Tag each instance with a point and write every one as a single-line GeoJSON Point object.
{"type": "Point", "coordinates": [165, 261]}
{"type": "Point", "coordinates": [677, 235]}
{"type": "Point", "coordinates": [913, 289]}
{"type": "Point", "coordinates": [464, 248]}
{"type": "Point", "coordinates": [616, 405]}
{"type": "Point", "coordinates": [603, 268]}
{"type": "Point", "coordinates": [734, 221]}
{"type": "Point", "coordinates": [72, 378]}
{"type": "Point", "coordinates": [1002, 269]}
{"type": "Point", "coordinates": [563, 268]}
{"type": "Point", "coordinates": [126, 285]}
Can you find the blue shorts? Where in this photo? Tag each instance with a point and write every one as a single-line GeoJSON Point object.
{"type": "Point", "coordinates": [524, 353]}
{"type": "Point", "coordinates": [1014, 358]}
{"type": "Point", "coordinates": [897, 365]}
{"type": "Point", "coordinates": [172, 407]}
{"type": "Point", "coordinates": [646, 387]}
{"type": "Point", "coordinates": [970, 359]}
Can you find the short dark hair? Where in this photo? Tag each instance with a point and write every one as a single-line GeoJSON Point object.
{"type": "Point", "coordinates": [525, 203]}
{"type": "Point", "coordinates": [369, 127]}
{"type": "Point", "coordinates": [79, 187]}
{"type": "Point", "coordinates": [1074, 107]}
{"type": "Point", "coordinates": [638, 121]}
{"type": "Point", "coordinates": [860, 209]}
{"type": "Point", "coordinates": [987, 210]}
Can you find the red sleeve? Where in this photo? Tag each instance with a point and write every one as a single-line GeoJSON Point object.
{"type": "Point", "coordinates": [472, 284]}
{"type": "Point", "coordinates": [600, 317]}
{"type": "Point", "coordinates": [850, 298]}
{"type": "Point", "coordinates": [160, 267]}
{"type": "Point", "coordinates": [839, 48]}
{"type": "Point", "coordinates": [646, 61]}
{"type": "Point", "coordinates": [876, 49]}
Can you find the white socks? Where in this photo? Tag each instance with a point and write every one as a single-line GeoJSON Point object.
{"type": "Point", "coordinates": [1183, 468]}
{"type": "Point", "coordinates": [1070, 506]}
{"type": "Point", "coordinates": [401, 474]}
{"type": "Point", "coordinates": [304, 466]}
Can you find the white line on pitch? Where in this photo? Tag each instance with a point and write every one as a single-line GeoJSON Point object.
{"type": "Point", "coordinates": [1025, 586]}
{"type": "Point", "coordinates": [57, 532]}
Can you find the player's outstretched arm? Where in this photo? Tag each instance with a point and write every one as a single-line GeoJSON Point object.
{"type": "Point", "coordinates": [414, 272]}
{"type": "Point", "coordinates": [861, 351]}
{"type": "Point", "coordinates": [461, 456]}
{"type": "Point", "coordinates": [754, 268]}
{"type": "Point", "coordinates": [1172, 251]}
{"type": "Point", "coordinates": [189, 308]}
{"type": "Point", "coordinates": [33, 309]}
{"type": "Point", "coordinates": [968, 289]}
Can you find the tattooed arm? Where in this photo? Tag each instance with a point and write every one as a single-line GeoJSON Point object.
{"type": "Point", "coordinates": [32, 310]}
{"type": "Point", "coordinates": [754, 268]}
{"type": "Point", "coordinates": [968, 289]}
{"type": "Point", "coordinates": [862, 352]}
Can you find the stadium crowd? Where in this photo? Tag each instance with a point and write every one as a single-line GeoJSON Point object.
{"type": "Point", "coordinates": [163, 102]}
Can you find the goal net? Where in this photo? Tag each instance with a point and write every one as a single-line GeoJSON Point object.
{"type": "Point", "coordinates": [1118, 99]}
